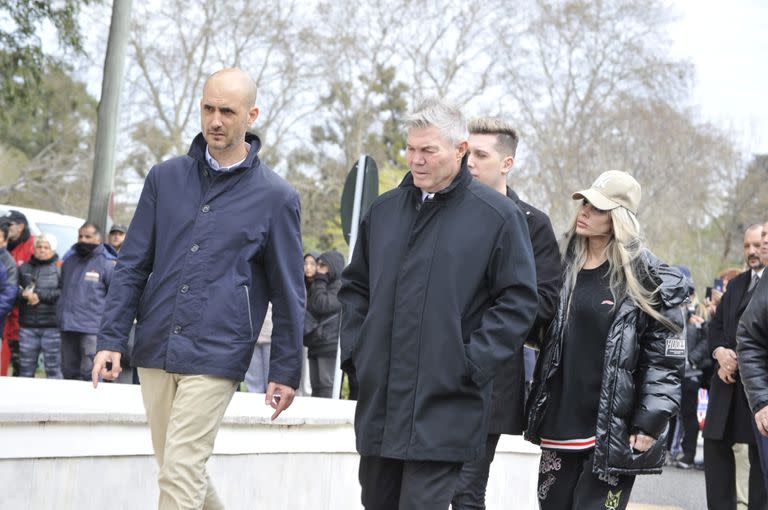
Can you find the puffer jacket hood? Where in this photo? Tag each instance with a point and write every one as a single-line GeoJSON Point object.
{"type": "Point", "coordinates": [335, 261]}
{"type": "Point", "coordinates": [642, 371]}
{"type": "Point", "coordinates": [674, 287]}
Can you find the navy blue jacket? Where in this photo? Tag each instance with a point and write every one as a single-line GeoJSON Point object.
{"type": "Point", "coordinates": [204, 255]}
{"type": "Point", "coordinates": [8, 291]}
{"type": "Point", "coordinates": [84, 285]}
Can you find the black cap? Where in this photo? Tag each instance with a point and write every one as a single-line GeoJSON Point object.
{"type": "Point", "coordinates": [14, 216]}
{"type": "Point", "coordinates": [117, 227]}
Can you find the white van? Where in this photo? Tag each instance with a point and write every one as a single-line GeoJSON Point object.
{"type": "Point", "coordinates": [64, 228]}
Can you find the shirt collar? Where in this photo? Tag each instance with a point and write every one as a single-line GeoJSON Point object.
{"type": "Point", "coordinates": [758, 273]}
{"type": "Point", "coordinates": [425, 195]}
{"type": "Point", "coordinates": [215, 164]}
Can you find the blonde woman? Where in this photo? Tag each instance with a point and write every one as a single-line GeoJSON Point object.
{"type": "Point", "coordinates": [608, 375]}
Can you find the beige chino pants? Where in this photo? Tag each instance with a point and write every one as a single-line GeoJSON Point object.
{"type": "Point", "coordinates": [184, 413]}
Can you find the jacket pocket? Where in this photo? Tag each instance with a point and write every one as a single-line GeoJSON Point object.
{"type": "Point", "coordinates": [144, 298]}
{"type": "Point", "coordinates": [248, 307]}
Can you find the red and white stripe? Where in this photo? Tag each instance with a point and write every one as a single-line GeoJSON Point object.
{"type": "Point", "coordinates": [568, 444]}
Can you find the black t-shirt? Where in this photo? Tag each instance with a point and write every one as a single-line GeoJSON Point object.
{"type": "Point", "coordinates": [571, 417]}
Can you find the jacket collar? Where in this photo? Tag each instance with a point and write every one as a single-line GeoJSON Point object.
{"type": "Point", "coordinates": [511, 194]}
{"type": "Point", "coordinates": [198, 145]}
{"type": "Point", "coordinates": [37, 262]}
{"type": "Point", "coordinates": [459, 183]}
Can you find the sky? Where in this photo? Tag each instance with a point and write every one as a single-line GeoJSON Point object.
{"type": "Point", "coordinates": [728, 44]}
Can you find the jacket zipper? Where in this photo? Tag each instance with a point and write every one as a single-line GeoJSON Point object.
{"type": "Point", "coordinates": [614, 379]}
{"type": "Point", "coordinates": [248, 302]}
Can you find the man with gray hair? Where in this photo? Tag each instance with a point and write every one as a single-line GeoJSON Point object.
{"type": "Point", "coordinates": [441, 289]}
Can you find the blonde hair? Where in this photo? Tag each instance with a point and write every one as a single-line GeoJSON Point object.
{"type": "Point", "coordinates": [506, 136]}
{"type": "Point", "coordinates": [627, 271]}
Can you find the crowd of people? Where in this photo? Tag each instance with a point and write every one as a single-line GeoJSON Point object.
{"type": "Point", "coordinates": [455, 290]}
{"type": "Point", "coordinates": [51, 304]}
{"type": "Point", "coordinates": [51, 308]}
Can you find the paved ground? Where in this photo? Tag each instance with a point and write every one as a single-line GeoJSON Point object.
{"type": "Point", "coordinates": [674, 489]}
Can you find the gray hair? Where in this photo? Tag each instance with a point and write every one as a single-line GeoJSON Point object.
{"type": "Point", "coordinates": [48, 238]}
{"type": "Point", "coordinates": [446, 117]}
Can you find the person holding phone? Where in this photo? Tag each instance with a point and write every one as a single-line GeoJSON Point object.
{"type": "Point", "coordinates": [607, 379]}
{"type": "Point", "coordinates": [40, 281]}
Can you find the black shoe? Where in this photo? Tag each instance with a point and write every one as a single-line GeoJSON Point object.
{"type": "Point", "coordinates": [698, 466]}
{"type": "Point", "coordinates": [683, 464]}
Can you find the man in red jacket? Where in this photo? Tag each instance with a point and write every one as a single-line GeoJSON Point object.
{"type": "Point", "coordinates": [21, 245]}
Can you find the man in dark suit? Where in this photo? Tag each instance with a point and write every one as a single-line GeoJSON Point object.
{"type": "Point", "coordinates": [492, 147]}
{"type": "Point", "coordinates": [729, 419]}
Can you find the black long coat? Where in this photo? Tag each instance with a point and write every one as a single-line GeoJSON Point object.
{"type": "Point", "coordinates": [508, 399]}
{"type": "Point", "coordinates": [437, 294]}
{"type": "Point", "coordinates": [727, 402]}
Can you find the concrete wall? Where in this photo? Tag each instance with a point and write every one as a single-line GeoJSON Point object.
{"type": "Point", "coordinates": [64, 445]}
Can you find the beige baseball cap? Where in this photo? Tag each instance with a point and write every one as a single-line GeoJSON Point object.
{"type": "Point", "coordinates": [612, 189]}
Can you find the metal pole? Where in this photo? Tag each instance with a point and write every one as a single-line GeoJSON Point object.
{"type": "Point", "coordinates": [356, 206]}
{"type": "Point", "coordinates": [106, 132]}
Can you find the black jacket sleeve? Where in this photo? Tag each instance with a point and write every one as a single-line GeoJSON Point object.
{"type": "Point", "coordinates": [716, 336]}
{"type": "Point", "coordinates": [752, 348]}
{"type": "Point", "coordinates": [323, 296]}
{"type": "Point", "coordinates": [512, 284]}
{"type": "Point", "coordinates": [659, 376]}
{"type": "Point", "coordinates": [354, 296]}
{"type": "Point", "coordinates": [546, 256]}
{"type": "Point", "coordinates": [700, 355]}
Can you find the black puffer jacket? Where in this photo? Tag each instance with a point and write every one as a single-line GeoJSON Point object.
{"type": "Point", "coordinates": [45, 275]}
{"type": "Point", "coordinates": [321, 322]}
{"type": "Point", "coordinates": [642, 371]}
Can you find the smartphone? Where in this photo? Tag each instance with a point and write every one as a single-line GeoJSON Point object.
{"type": "Point", "coordinates": [718, 284]}
{"type": "Point", "coordinates": [708, 293]}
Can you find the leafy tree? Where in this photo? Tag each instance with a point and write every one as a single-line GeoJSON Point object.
{"type": "Point", "coordinates": [49, 146]}
{"type": "Point", "coordinates": [22, 59]}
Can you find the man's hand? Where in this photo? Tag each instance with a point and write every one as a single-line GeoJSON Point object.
{"type": "Point", "coordinates": [100, 366]}
{"type": "Point", "coordinates": [761, 419]}
{"type": "Point", "coordinates": [641, 442]}
{"type": "Point", "coordinates": [727, 359]}
{"type": "Point", "coordinates": [726, 376]}
{"type": "Point", "coordinates": [280, 397]}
